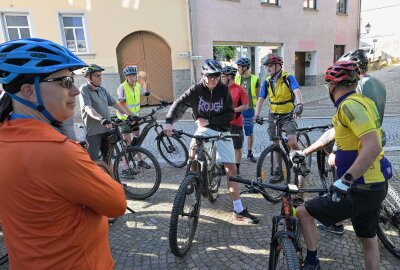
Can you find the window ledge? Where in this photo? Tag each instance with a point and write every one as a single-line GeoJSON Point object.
{"type": "Point", "coordinates": [310, 9]}
{"type": "Point", "coordinates": [270, 5]}
{"type": "Point", "coordinates": [342, 14]}
{"type": "Point", "coordinates": [86, 55]}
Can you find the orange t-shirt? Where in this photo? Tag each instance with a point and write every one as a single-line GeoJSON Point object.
{"type": "Point", "coordinates": [54, 200]}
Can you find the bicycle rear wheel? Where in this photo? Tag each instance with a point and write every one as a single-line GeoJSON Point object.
{"type": "Point", "coordinates": [173, 150]}
{"type": "Point", "coordinates": [273, 168]}
{"type": "Point", "coordinates": [185, 215]}
{"type": "Point", "coordinates": [283, 255]}
{"type": "Point", "coordinates": [303, 141]}
{"type": "Point", "coordinates": [389, 222]}
{"type": "Point", "coordinates": [138, 171]}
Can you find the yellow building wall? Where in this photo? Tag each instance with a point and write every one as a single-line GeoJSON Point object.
{"type": "Point", "coordinates": [107, 22]}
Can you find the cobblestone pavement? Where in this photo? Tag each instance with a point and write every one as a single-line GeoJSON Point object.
{"type": "Point", "coordinates": [140, 241]}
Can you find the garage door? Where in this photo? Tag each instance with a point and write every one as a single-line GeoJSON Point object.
{"type": "Point", "coordinates": [152, 55]}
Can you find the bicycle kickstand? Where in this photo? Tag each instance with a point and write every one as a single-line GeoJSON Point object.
{"type": "Point", "coordinates": [130, 210]}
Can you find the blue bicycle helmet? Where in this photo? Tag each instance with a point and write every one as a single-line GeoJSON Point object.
{"type": "Point", "coordinates": [34, 57]}
{"type": "Point", "coordinates": [229, 70]}
{"type": "Point", "coordinates": [244, 62]}
{"type": "Point", "coordinates": [130, 70]}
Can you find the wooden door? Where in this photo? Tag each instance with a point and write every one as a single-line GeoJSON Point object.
{"type": "Point", "coordinates": [152, 55]}
{"type": "Point", "coordinates": [300, 70]}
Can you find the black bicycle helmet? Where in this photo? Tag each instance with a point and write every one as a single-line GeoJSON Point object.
{"type": "Point", "coordinates": [229, 70]}
{"type": "Point", "coordinates": [92, 68]}
{"type": "Point", "coordinates": [244, 62]}
{"type": "Point", "coordinates": [211, 67]}
{"type": "Point", "coordinates": [130, 70]}
{"type": "Point", "coordinates": [359, 56]}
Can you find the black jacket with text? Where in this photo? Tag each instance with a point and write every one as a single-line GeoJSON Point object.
{"type": "Point", "coordinates": [216, 106]}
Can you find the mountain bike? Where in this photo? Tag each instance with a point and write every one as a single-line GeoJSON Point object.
{"type": "Point", "coordinates": [3, 250]}
{"type": "Point", "coordinates": [274, 163]}
{"type": "Point", "coordinates": [172, 149]}
{"type": "Point", "coordinates": [285, 243]}
{"type": "Point", "coordinates": [389, 221]}
{"type": "Point", "coordinates": [134, 167]}
{"type": "Point", "coordinates": [203, 178]}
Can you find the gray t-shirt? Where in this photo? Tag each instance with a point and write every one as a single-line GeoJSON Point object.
{"type": "Point", "coordinates": [99, 100]}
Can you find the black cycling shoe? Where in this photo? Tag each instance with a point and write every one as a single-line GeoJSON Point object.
{"type": "Point", "coordinates": [142, 163]}
{"type": "Point", "coordinates": [245, 216]}
{"type": "Point", "coordinates": [332, 229]}
{"type": "Point", "coordinates": [311, 266]}
{"type": "Point", "coordinates": [276, 177]}
{"type": "Point", "coordinates": [251, 158]}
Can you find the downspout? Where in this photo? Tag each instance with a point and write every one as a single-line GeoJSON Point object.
{"type": "Point", "coordinates": [192, 65]}
{"type": "Point", "coordinates": [359, 25]}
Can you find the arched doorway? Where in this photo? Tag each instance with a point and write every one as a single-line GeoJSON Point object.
{"type": "Point", "coordinates": [152, 55]}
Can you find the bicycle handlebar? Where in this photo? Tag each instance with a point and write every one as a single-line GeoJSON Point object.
{"type": "Point", "coordinates": [289, 188]}
{"type": "Point", "coordinates": [278, 121]}
{"type": "Point", "coordinates": [312, 128]}
{"type": "Point", "coordinates": [220, 136]}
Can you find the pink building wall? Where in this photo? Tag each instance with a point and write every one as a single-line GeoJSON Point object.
{"type": "Point", "coordinates": [297, 28]}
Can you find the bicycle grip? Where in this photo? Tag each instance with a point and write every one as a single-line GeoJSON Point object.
{"type": "Point", "coordinates": [238, 179]}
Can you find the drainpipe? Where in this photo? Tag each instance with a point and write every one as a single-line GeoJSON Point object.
{"type": "Point", "coordinates": [192, 65]}
{"type": "Point", "coordinates": [359, 26]}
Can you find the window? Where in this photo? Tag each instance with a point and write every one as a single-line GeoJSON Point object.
{"type": "Point", "coordinates": [338, 51]}
{"type": "Point", "coordinates": [16, 26]}
{"type": "Point", "coordinates": [74, 33]}
{"type": "Point", "coordinates": [272, 2]}
{"type": "Point", "coordinates": [341, 6]}
{"type": "Point", "coordinates": [310, 4]}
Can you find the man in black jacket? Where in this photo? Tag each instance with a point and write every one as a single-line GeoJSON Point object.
{"type": "Point", "coordinates": [212, 108]}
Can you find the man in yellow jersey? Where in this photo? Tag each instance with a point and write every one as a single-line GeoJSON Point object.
{"type": "Point", "coordinates": [251, 84]}
{"type": "Point", "coordinates": [361, 168]}
{"type": "Point", "coordinates": [129, 93]}
{"type": "Point", "coordinates": [285, 96]}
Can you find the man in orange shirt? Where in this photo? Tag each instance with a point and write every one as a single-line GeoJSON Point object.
{"type": "Point", "coordinates": [54, 200]}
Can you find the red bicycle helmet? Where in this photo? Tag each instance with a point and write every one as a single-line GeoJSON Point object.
{"type": "Point", "coordinates": [273, 59]}
{"type": "Point", "coordinates": [343, 72]}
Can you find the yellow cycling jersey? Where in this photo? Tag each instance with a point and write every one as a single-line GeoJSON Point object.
{"type": "Point", "coordinates": [356, 116]}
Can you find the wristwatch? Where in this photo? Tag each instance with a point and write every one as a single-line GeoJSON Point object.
{"type": "Point", "coordinates": [348, 177]}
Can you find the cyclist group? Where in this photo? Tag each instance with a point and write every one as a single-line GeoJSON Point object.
{"type": "Point", "coordinates": [66, 212]}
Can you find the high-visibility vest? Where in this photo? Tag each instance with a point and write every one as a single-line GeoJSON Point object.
{"type": "Point", "coordinates": [253, 82]}
{"type": "Point", "coordinates": [281, 98]}
{"type": "Point", "coordinates": [132, 99]}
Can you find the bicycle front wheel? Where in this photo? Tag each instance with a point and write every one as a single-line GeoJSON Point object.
{"type": "Point", "coordinates": [173, 150]}
{"type": "Point", "coordinates": [283, 255]}
{"type": "Point", "coordinates": [327, 174]}
{"type": "Point", "coordinates": [185, 215]}
{"type": "Point", "coordinates": [273, 168]}
{"type": "Point", "coordinates": [138, 171]}
{"type": "Point", "coordinates": [3, 250]}
{"type": "Point", "coordinates": [389, 222]}
{"type": "Point", "coordinates": [303, 141]}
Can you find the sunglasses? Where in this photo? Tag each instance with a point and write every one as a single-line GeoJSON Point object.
{"type": "Point", "coordinates": [213, 77]}
{"type": "Point", "coordinates": [65, 81]}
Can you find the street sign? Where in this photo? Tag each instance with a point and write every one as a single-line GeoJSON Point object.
{"type": "Point", "coordinates": [196, 57]}
{"type": "Point", "coordinates": [184, 54]}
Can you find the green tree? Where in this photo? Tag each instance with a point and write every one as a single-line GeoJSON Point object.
{"type": "Point", "coordinates": [224, 53]}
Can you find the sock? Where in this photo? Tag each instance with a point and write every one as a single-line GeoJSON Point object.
{"type": "Point", "coordinates": [311, 257]}
{"type": "Point", "coordinates": [250, 153]}
{"type": "Point", "coordinates": [237, 206]}
{"type": "Point", "coordinates": [237, 167]}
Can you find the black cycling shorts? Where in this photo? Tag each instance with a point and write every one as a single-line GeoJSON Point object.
{"type": "Point", "coordinates": [237, 141]}
{"type": "Point", "coordinates": [361, 206]}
